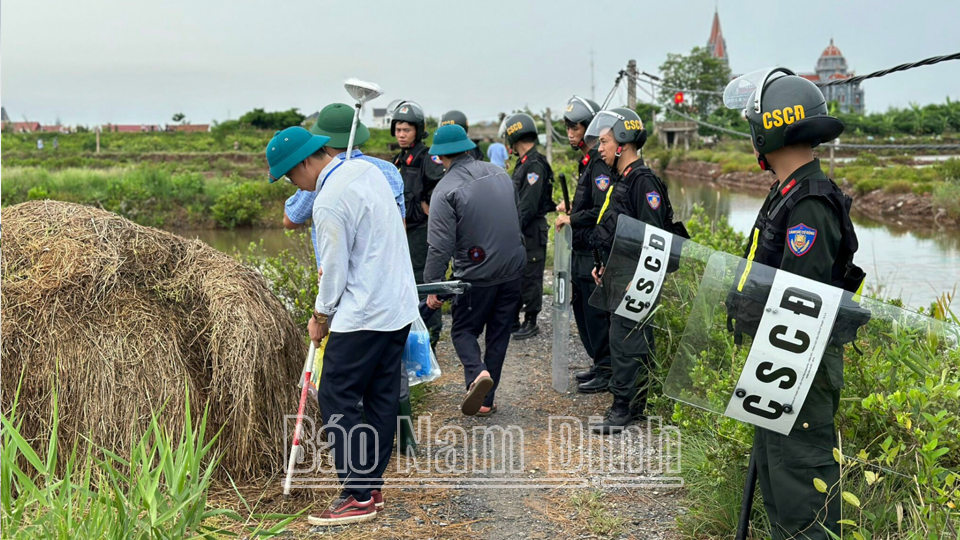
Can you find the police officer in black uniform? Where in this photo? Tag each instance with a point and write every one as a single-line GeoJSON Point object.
{"type": "Point", "coordinates": [595, 181]}
{"type": "Point", "coordinates": [804, 228]}
{"type": "Point", "coordinates": [460, 119]}
{"type": "Point", "coordinates": [618, 135]}
{"type": "Point", "coordinates": [421, 172]}
{"type": "Point", "coordinates": [533, 179]}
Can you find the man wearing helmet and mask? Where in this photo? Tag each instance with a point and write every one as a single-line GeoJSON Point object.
{"type": "Point", "coordinates": [618, 135]}
{"type": "Point", "coordinates": [460, 119]}
{"type": "Point", "coordinates": [804, 228]}
{"type": "Point", "coordinates": [595, 180]}
{"type": "Point", "coordinates": [533, 179]}
{"type": "Point", "coordinates": [420, 172]}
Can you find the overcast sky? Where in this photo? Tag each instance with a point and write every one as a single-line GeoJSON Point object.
{"type": "Point", "coordinates": [122, 61]}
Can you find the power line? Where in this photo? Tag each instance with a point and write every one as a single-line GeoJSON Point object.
{"type": "Point", "coordinates": [902, 67]}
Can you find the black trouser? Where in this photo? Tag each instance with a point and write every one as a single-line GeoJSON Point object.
{"type": "Point", "coordinates": [363, 364]}
{"type": "Point", "coordinates": [787, 465]}
{"type": "Point", "coordinates": [417, 243]}
{"type": "Point", "coordinates": [492, 308]}
{"type": "Point", "coordinates": [630, 351]}
{"type": "Point", "coordinates": [531, 292]}
{"type": "Point", "coordinates": [593, 324]}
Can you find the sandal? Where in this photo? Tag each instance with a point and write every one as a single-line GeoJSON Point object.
{"type": "Point", "coordinates": [475, 396]}
{"type": "Point", "coordinates": [492, 410]}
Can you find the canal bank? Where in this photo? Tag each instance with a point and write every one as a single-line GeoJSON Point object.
{"type": "Point", "coordinates": [900, 206]}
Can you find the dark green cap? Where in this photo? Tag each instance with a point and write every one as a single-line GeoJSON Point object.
{"type": "Point", "coordinates": [334, 121]}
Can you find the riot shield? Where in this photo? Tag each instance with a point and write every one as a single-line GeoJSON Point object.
{"type": "Point", "coordinates": [562, 290]}
{"type": "Point", "coordinates": [765, 347]}
{"type": "Point", "coordinates": [648, 267]}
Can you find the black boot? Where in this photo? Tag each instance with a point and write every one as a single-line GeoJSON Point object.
{"type": "Point", "coordinates": [406, 437]}
{"type": "Point", "coordinates": [586, 375]}
{"type": "Point", "coordinates": [530, 327]}
{"type": "Point", "coordinates": [616, 418]}
{"type": "Point", "coordinates": [600, 383]}
{"type": "Point", "coordinates": [516, 325]}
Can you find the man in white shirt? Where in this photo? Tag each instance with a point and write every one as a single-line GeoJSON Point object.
{"type": "Point", "coordinates": [367, 301]}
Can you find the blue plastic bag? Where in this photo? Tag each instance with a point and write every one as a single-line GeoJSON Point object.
{"type": "Point", "coordinates": [418, 358]}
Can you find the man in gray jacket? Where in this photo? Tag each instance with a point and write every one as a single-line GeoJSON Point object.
{"type": "Point", "coordinates": [474, 221]}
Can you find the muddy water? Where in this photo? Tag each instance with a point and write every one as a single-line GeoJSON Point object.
{"type": "Point", "coordinates": [916, 266]}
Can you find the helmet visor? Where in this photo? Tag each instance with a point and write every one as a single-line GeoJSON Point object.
{"type": "Point", "coordinates": [738, 91]}
{"type": "Point", "coordinates": [602, 124]}
{"type": "Point", "coordinates": [403, 107]}
{"type": "Point", "coordinates": [578, 110]}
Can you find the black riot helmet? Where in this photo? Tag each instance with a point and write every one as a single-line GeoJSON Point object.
{"type": "Point", "coordinates": [580, 111]}
{"type": "Point", "coordinates": [516, 126]}
{"type": "Point", "coordinates": [410, 112]}
{"type": "Point", "coordinates": [625, 125]}
{"type": "Point", "coordinates": [782, 109]}
{"type": "Point", "coordinates": [454, 117]}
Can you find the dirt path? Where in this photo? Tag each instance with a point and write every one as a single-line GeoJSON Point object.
{"type": "Point", "coordinates": [525, 399]}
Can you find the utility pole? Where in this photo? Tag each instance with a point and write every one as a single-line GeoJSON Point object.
{"type": "Point", "coordinates": [548, 128]}
{"type": "Point", "coordinates": [653, 100]}
{"type": "Point", "coordinates": [632, 85]}
{"type": "Point", "coordinates": [593, 86]}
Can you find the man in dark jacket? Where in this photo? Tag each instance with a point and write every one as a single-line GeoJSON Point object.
{"type": "Point", "coordinates": [474, 221]}
{"type": "Point", "coordinates": [533, 179]}
{"type": "Point", "coordinates": [420, 172]}
{"type": "Point", "coordinates": [618, 134]}
{"type": "Point", "coordinates": [595, 181]}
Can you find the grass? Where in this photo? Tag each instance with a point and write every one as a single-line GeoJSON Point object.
{"type": "Point", "coordinates": [151, 195]}
{"type": "Point", "coordinates": [598, 519]}
{"type": "Point", "coordinates": [158, 491]}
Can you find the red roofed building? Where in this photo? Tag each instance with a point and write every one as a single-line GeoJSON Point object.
{"type": "Point", "coordinates": [131, 128]}
{"type": "Point", "coordinates": [832, 66]}
{"type": "Point", "coordinates": [24, 127]}
{"type": "Point", "coordinates": [716, 44]}
{"type": "Point", "coordinates": [55, 129]}
{"type": "Point", "coordinates": [188, 127]}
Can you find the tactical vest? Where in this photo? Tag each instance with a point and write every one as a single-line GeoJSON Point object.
{"type": "Point", "coordinates": [767, 240]}
{"type": "Point", "coordinates": [677, 228]}
{"type": "Point", "coordinates": [411, 170]}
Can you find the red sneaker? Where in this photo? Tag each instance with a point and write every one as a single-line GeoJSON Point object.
{"type": "Point", "coordinates": [345, 512]}
{"type": "Point", "coordinates": [377, 497]}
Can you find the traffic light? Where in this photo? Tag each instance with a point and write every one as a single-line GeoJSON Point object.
{"type": "Point", "coordinates": [678, 98]}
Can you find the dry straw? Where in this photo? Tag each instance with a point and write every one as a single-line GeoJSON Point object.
{"type": "Point", "coordinates": [123, 318]}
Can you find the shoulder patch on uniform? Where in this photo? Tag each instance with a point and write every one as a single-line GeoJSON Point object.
{"type": "Point", "coordinates": [586, 159]}
{"type": "Point", "coordinates": [602, 181]}
{"type": "Point", "coordinates": [410, 159]}
{"type": "Point", "coordinates": [653, 199]}
{"type": "Point", "coordinates": [523, 159]}
{"type": "Point", "coordinates": [532, 178]}
{"type": "Point", "coordinates": [436, 159]}
{"type": "Point", "coordinates": [800, 238]}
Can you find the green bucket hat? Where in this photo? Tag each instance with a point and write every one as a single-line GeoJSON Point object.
{"type": "Point", "coordinates": [450, 139]}
{"type": "Point", "coordinates": [289, 147]}
{"type": "Point", "coordinates": [334, 121]}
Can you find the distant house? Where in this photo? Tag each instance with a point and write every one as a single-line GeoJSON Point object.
{"type": "Point", "coordinates": [131, 128]}
{"type": "Point", "coordinates": [25, 127]}
{"type": "Point", "coordinates": [55, 129]}
{"type": "Point", "coordinates": [380, 119]}
{"type": "Point", "coordinates": [188, 127]}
